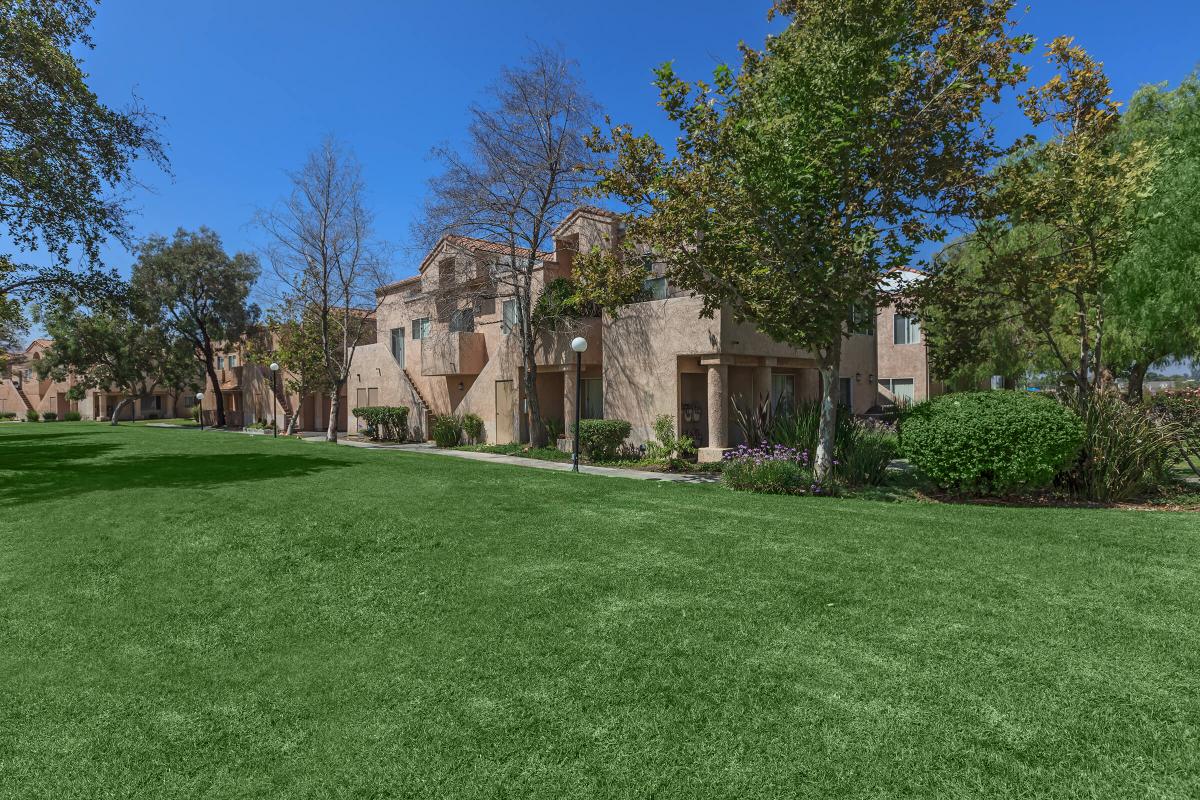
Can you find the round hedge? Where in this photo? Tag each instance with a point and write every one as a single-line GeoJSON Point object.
{"type": "Point", "coordinates": [991, 442]}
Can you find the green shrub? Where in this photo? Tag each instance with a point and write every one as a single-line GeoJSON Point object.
{"type": "Point", "coordinates": [670, 448]}
{"type": "Point", "coordinates": [387, 423]}
{"type": "Point", "coordinates": [472, 426]}
{"type": "Point", "coordinates": [50, 416]}
{"type": "Point", "coordinates": [151, 415]}
{"type": "Point", "coordinates": [72, 416]}
{"type": "Point", "coordinates": [991, 442]}
{"type": "Point", "coordinates": [554, 429]}
{"type": "Point", "coordinates": [31, 415]}
{"type": "Point", "coordinates": [1126, 452]}
{"type": "Point", "coordinates": [865, 459]}
{"type": "Point", "coordinates": [861, 452]}
{"type": "Point", "coordinates": [1183, 410]}
{"type": "Point", "coordinates": [601, 439]}
{"type": "Point", "coordinates": [769, 469]}
{"type": "Point", "coordinates": [447, 431]}
{"type": "Point", "coordinates": [8, 415]}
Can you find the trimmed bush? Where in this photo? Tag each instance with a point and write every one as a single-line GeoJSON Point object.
{"type": "Point", "coordinates": [601, 439]}
{"type": "Point", "coordinates": [31, 415]}
{"type": "Point", "coordinates": [72, 416]}
{"type": "Point", "coordinates": [50, 416]}
{"type": "Point", "coordinates": [472, 425]}
{"type": "Point", "coordinates": [991, 442]}
{"type": "Point", "coordinates": [447, 431]}
{"type": "Point", "coordinates": [8, 415]}
{"type": "Point", "coordinates": [1127, 451]}
{"type": "Point", "coordinates": [387, 423]}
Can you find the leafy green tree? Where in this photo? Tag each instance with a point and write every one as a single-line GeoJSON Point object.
{"type": "Point", "coordinates": [116, 346]}
{"type": "Point", "coordinates": [1154, 313]}
{"type": "Point", "coordinates": [293, 340]}
{"type": "Point", "coordinates": [201, 292]}
{"type": "Point", "coordinates": [833, 153]}
{"type": "Point", "coordinates": [64, 155]}
{"type": "Point", "coordinates": [1062, 215]}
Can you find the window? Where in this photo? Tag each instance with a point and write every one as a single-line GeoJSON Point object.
{"type": "Point", "coordinates": [398, 346]}
{"type": "Point", "coordinates": [232, 361]}
{"type": "Point", "coordinates": [846, 392]}
{"type": "Point", "coordinates": [462, 320]}
{"type": "Point", "coordinates": [654, 289]}
{"type": "Point", "coordinates": [862, 319]}
{"type": "Point", "coordinates": [593, 399]}
{"type": "Point", "coordinates": [420, 328]}
{"type": "Point", "coordinates": [508, 316]}
{"type": "Point", "coordinates": [906, 330]}
{"type": "Point", "coordinates": [783, 391]}
{"type": "Point", "coordinates": [220, 362]}
{"type": "Point", "coordinates": [902, 390]}
{"type": "Point", "coordinates": [152, 403]}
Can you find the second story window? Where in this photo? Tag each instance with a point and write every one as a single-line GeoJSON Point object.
{"type": "Point", "coordinates": [462, 320]}
{"type": "Point", "coordinates": [906, 330]}
{"type": "Point", "coordinates": [398, 345]}
{"type": "Point", "coordinates": [220, 362]}
{"type": "Point", "coordinates": [508, 319]}
{"type": "Point", "coordinates": [420, 328]}
{"type": "Point", "coordinates": [232, 361]}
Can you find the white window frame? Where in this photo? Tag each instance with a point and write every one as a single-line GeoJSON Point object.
{"type": "Point", "coordinates": [911, 327]}
{"type": "Point", "coordinates": [420, 328]}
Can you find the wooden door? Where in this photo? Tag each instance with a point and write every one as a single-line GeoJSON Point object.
{"type": "Point", "coordinates": [506, 400]}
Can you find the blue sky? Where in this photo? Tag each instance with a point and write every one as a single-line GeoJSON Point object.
{"type": "Point", "coordinates": [248, 88]}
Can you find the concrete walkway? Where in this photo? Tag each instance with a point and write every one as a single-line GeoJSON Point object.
{"type": "Point", "coordinates": [533, 463]}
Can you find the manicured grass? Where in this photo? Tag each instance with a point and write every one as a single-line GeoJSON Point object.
{"type": "Point", "coordinates": [189, 614]}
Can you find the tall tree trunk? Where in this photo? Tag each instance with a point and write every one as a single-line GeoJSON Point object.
{"type": "Point", "coordinates": [116, 414]}
{"type": "Point", "coordinates": [1137, 382]}
{"type": "Point", "coordinates": [538, 436]}
{"type": "Point", "coordinates": [331, 431]}
{"type": "Point", "coordinates": [831, 363]}
{"type": "Point", "coordinates": [211, 371]}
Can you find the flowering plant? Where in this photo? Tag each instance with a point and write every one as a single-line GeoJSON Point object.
{"type": "Point", "coordinates": [771, 469]}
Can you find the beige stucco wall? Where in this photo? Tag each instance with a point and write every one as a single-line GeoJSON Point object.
{"type": "Point", "coordinates": [903, 360]}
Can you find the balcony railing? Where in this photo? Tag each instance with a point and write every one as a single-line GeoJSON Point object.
{"type": "Point", "coordinates": [459, 353]}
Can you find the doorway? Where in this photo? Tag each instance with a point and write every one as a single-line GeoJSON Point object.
{"type": "Point", "coordinates": [505, 405]}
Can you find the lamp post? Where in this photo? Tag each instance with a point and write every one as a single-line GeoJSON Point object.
{"type": "Point", "coordinates": [200, 405]}
{"type": "Point", "coordinates": [578, 344]}
{"type": "Point", "coordinates": [275, 391]}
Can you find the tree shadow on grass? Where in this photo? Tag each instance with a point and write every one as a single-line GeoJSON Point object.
{"type": "Point", "coordinates": [59, 477]}
{"type": "Point", "coordinates": [31, 456]}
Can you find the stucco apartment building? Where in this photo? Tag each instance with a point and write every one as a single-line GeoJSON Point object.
{"type": "Point", "coordinates": [444, 344]}
{"type": "Point", "coordinates": [22, 390]}
{"type": "Point", "coordinates": [442, 351]}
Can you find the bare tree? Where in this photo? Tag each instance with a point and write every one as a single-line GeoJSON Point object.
{"type": "Point", "coordinates": [521, 172]}
{"type": "Point", "coordinates": [324, 252]}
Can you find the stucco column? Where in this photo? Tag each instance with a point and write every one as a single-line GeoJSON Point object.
{"type": "Point", "coordinates": [762, 385]}
{"type": "Point", "coordinates": [718, 413]}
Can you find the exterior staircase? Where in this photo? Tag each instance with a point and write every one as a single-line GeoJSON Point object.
{"type": "Point", "coordinates": [284, 402]}
{"type": "Point", "coordinates": [22, 395]}
{"type": "Point", "coordinates": [426, 410]}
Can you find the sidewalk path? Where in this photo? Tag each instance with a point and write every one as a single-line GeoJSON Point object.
{"type": "Point", "coordinates": [534, 463]}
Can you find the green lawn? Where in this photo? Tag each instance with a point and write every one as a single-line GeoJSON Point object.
{"type": "Point", "coordinates": [201, 615]}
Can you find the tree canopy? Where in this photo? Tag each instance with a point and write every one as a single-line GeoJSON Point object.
{"type": "Point", "coordinates": [65, 157]}
{"type": "Point", "coordinates": [201, 292]}
{"type": "Point", "coordinates": [827, 159]}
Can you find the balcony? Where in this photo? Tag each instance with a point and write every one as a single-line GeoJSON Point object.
{"type": "Point", "coordinates": [230, 378]}
{"type": "Point", "coordinates": [554, 347]}
{"type": "Point", "coordinates": [459, 353]}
